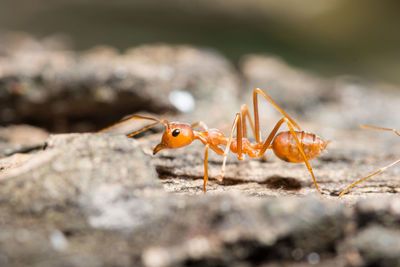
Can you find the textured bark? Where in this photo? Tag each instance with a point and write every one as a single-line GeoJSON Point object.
{"type": "Point", "coordinates": [105, 200]}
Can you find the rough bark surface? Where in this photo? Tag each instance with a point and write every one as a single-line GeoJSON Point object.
{"type": "Point", "coordinates": [104, 199]}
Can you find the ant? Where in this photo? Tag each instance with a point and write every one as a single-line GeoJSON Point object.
{"type": "Point", "coordinates": [378, 171]}
{"type": "Point", "coordinates": [293, 146]}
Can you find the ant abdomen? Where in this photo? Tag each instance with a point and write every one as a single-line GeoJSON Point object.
{"type": "Point", "coordinates": [285, 147]}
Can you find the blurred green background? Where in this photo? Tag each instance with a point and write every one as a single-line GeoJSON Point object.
{"type": "Point", "coordinates": [330, 37]}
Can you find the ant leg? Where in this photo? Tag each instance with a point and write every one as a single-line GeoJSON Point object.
{"type": "Point", "coordinates": [378, 128]}
{"type": "Point", "coordinates": [142, 130]}
{"type": "Point", "coordinates": [369, 176]}
{"type": "Point", "coordinates": [238, 138]}
{"type": "Point", "coordinates": [270, 137]}
{"type": "Point", "coordinates": [205, 168]}
{"type": "Point", "coordinates": [216, 149]}
{"type": "Point", "coordinates": [134, 117]}
{"type": "Point", "coordinates": [299, 146]}
{"type": "Point", "coordinates": [378, 171]}
{"type": "Point", "coordinates": [303, 154]}
{"type": "Point", "coordinates": [256, 117]}
{"type": "Point", "coordinates": [246, 114]}
{"type": "Point", "coordinates": [219, 152]}
{"type": "Point", "coordinates": [201, 124]}
{"type": "Point", "coordinates": [237, 123]}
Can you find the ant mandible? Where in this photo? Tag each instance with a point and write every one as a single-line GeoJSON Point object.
{"type": "Point", "coordinates": [293, 146]}
{"type": "Point", "coordinates": [378, 171]}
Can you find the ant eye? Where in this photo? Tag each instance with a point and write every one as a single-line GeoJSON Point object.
{"type": "Point", "coordinates": [175, 132]}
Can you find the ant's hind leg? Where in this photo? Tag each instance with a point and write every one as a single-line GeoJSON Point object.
{"type": "Point", "coordinates": [256, 117]}
{"type": "Point", "coordinates": [246, 115]}
{"type": "Point", "coordinates": [369, 176]}
{"type": "Point", "coordinates": [300, 147]}
{"type": "Point", "coordinates": [378, 128]}
{"type": "Point", "coordinates": [378, 171]}
{"type": "Point", "coordinates": [268, 141]}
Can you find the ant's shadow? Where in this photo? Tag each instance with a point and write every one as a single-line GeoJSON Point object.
{"type": "Point", "coordinates": [285, 183]}
{"type": "Point", "coordinates": [272, 182]}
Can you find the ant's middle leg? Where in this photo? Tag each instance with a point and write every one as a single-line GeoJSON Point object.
{"type": "Point", "coordinates": [237, 123]}
{"type": "Point", "coordinates": [246, 115]}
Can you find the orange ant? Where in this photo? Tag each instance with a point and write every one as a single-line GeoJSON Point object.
{"type": "Point", "coordinates": [378, 171]}
{"type": "Point", "coordinates": [291, 146]}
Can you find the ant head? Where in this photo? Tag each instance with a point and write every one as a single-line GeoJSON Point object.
{"type": "Point", "coordinates": [176, 135]}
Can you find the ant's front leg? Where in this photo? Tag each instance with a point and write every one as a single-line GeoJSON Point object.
{"type": "Point", "coordinates": [217, 150]}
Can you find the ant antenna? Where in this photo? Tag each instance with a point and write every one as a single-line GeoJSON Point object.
{"type": "Point", "coordinates": [136, 117]}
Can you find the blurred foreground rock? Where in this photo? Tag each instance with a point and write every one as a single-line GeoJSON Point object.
{"type": "Point", "coordinates": [21, 138]}
{"type": "Point", "coordinates": [95, 200]}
